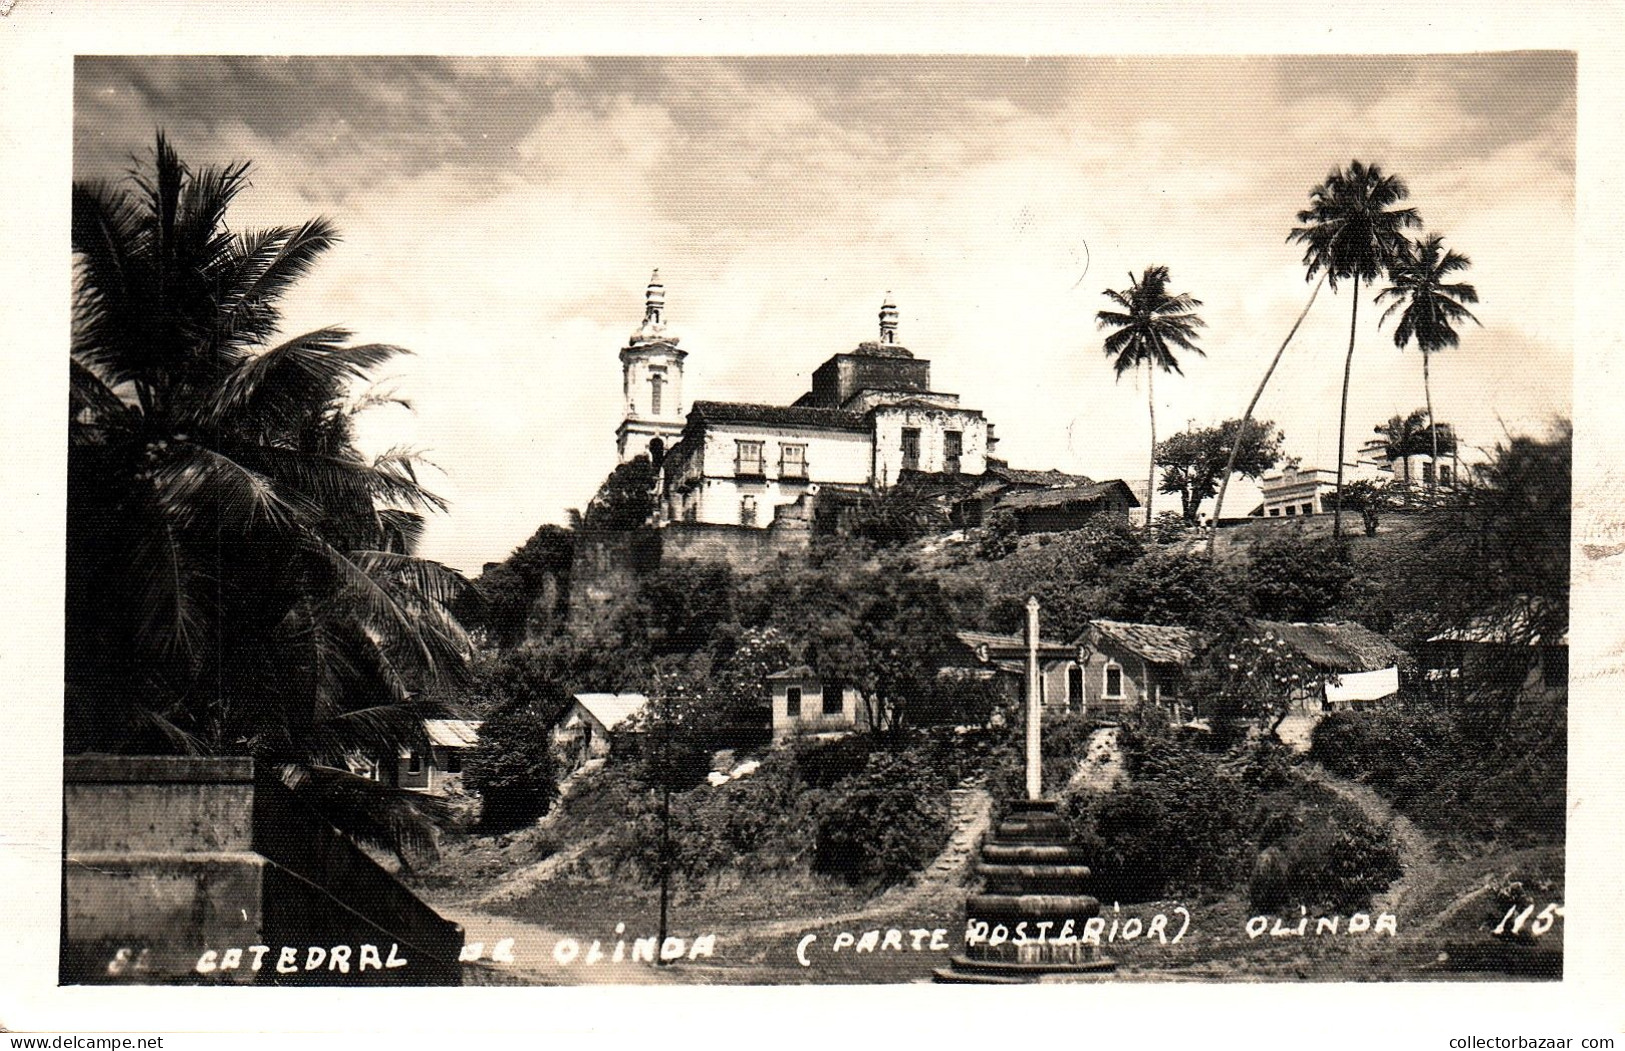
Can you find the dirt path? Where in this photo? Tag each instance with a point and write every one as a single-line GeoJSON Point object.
{"type": "Point", "coordinates": [1422, 872]}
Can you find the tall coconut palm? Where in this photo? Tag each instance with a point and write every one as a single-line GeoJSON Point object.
{"type": "Point", "coordinates": [1247, 418]}
{"type": "Point", "coordinates": [1151, 322]}
{"type": "Point", "coordinates": [240, 578]}
{"type": "Point", "coordinates": [1429, 307]}
{"type": "Point", "coordinates": [1352, 231]}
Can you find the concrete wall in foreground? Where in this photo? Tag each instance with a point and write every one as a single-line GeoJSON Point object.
{"type": "Point", "coordinates": [184, 870]}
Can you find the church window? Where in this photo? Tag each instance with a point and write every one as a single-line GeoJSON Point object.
{"type": "Point", "coordinates": [748, 459]}
{"type": "Point", "coordinates": [911, 448]}
{"type": "Point", "coordinates": [747, 510]}
{"type": "Point", "coordinates": [792, 461]}
{"type": "Point", "coordinates": [953, 446]}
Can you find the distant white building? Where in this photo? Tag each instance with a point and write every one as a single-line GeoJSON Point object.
{"type": "Point", "coordinates": [588, 726]}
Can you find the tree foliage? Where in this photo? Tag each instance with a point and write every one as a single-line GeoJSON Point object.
{"type": "Point", "coordinates": [625, 501]}
{"type": "Point", "coordinates": [240, 576]}
{"type": "Point", "coordinates": [1294, 577]}
{"type": "Point", "coordinates": [526, 595]}
{"type": "Point", "coordinates": [511, 768]}
{"type": "Point", "coordinates": [1353, 232]}
{"type": "Point", "coordinates": [1149, 324]}
{"type": "Point", "coordinates": [1193, 461]}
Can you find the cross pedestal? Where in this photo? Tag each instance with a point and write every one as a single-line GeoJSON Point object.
{"type": "Point", "coordinates": [1029, 918]}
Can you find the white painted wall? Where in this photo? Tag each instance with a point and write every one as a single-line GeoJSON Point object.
{"type": "Point", "coordinates": [933, 424]}
{"type": "Point", "coordinates": [840, 457]}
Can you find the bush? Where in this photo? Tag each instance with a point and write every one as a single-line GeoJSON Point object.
{"type": "Point", "coordinates": [1320, 853]}
{"type": "Point", "coordinates": [1297, 578]}
{"type": "Point", "coordinates": [511, 770]}
{"type": "Point", "coordinates": [883, 824]}
{"type": "Point", "coordinates": [757, 823]}
{"type": "Point", "coordinates": [820, 764]}
{"type": "Point", "coordinates": [1401, 752]}
{"type": "Point", "coordinates": [1179, 827]}
{"type": "Point", "coordinates": [1000, 536]}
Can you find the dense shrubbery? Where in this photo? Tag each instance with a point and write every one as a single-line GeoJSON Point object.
{"type": "Point", "coordinates": [1181, 825]}
{"type": "Point", "coordinates": [884, 823]}
{"type": "Point", "coordinates": [1446, 776]}
{"type": "Point", "coordinates": [1319, 852]}
{"type": "Point", "coordinates": [842, 808]}
{"type": "Point", "coordinates": [1401, 752]}
{"type": "Point", "coordinates": [511, 769]}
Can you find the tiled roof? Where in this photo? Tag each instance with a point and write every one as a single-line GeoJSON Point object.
{"type": "Point", "coordinates": [612, 709]}
{"type": "Point", "coordinates": [1017, 476]}
{"type": "Point", "coordinates": [453, 733]}
{"type": "Point", "coordinates": [1158, 643]}
{"type": "Point", "coordinates": [1338, 647]}
{"type": "Point", "coordinates": [1008, 645]}
{"type": "Point", "coordinates": [778, 415]}
{"type": "Point", "coordinates": [1060, 496]}
{"type": "Point", "coordinates": [800, 671]}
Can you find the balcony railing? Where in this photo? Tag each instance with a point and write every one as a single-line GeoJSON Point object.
{"type": "Point", "coordinates": [750, 468]}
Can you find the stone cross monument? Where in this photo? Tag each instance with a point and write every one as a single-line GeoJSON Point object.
{"type": "Point", "coordinates": [1031, 917]}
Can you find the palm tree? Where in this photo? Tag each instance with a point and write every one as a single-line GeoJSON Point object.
{"type": "Point", "coordinates": [1429, 307]}
{"type": "Point", "coordinates": [1352, 231]}
{"type": "Point", "coordinates": [1150, 324]}
{"type": "Point", "coordinates": [1247, 418]}
{"type": "Point", "coordinates": [240, 578]}
{"type": "Point", "coordinates": [1402, 438]}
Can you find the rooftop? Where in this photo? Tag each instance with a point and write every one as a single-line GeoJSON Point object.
{"type": "Point", "coordinates": [1018, 476]}
{"type": "Point", "coordinates": [612, 709]}
{"type": "Point", "coordinates": [453, 733]}
{"type": "Point", "coordinates": [1337, 647]}
{"type": "Point", "coordinates": [778, 415]}
{"type": "Point", "coordinates": [1009, 645]}
{"type": "Point", "coordinates": [1060, 496]}
{"type": "Point", "coordinates": [1158, 643]}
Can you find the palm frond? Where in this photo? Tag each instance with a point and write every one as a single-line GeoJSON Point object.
{"type": "Point", "coordinates": [266, 264]}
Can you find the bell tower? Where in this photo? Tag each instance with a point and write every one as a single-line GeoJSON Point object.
{"type": "Point", "coordinates": [651, 381]}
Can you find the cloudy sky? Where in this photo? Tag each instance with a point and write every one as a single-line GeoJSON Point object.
{"type": "Point", "coordinates": [501, 217]}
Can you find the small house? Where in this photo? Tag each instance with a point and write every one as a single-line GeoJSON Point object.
{"type": "Point", "coordinates": [588, 727]}
{"type": "Point", "coordinates": [1362, 667]}
{"type": "Point", "coordinates": [1123, 664]}
{"type": "Point", "coordinates": [435, 772]}
{"type": "Point", "coordinates": [803, 703]}
{"type": "Point", "coordinates": [1505, 645]}
{"type": "Point", "coordinates": [1066, 508]}
{"type": "Point", "coordinates": [1004, 659]}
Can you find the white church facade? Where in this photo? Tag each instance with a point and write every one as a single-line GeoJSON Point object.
{"type": "Point", "coordinates": [870, 420]}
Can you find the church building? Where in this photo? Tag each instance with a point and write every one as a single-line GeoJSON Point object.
{"type": "Point", "coordinates": [870, 420]}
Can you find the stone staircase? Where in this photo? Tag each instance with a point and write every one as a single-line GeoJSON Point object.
{"type": "Point", "coordinates": [972, 813]}
{"type": "Point", "coordinates": [1031, 875]}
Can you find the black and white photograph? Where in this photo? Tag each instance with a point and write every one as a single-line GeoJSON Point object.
{"type": "Point", "coordinates": [1091, 520]}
